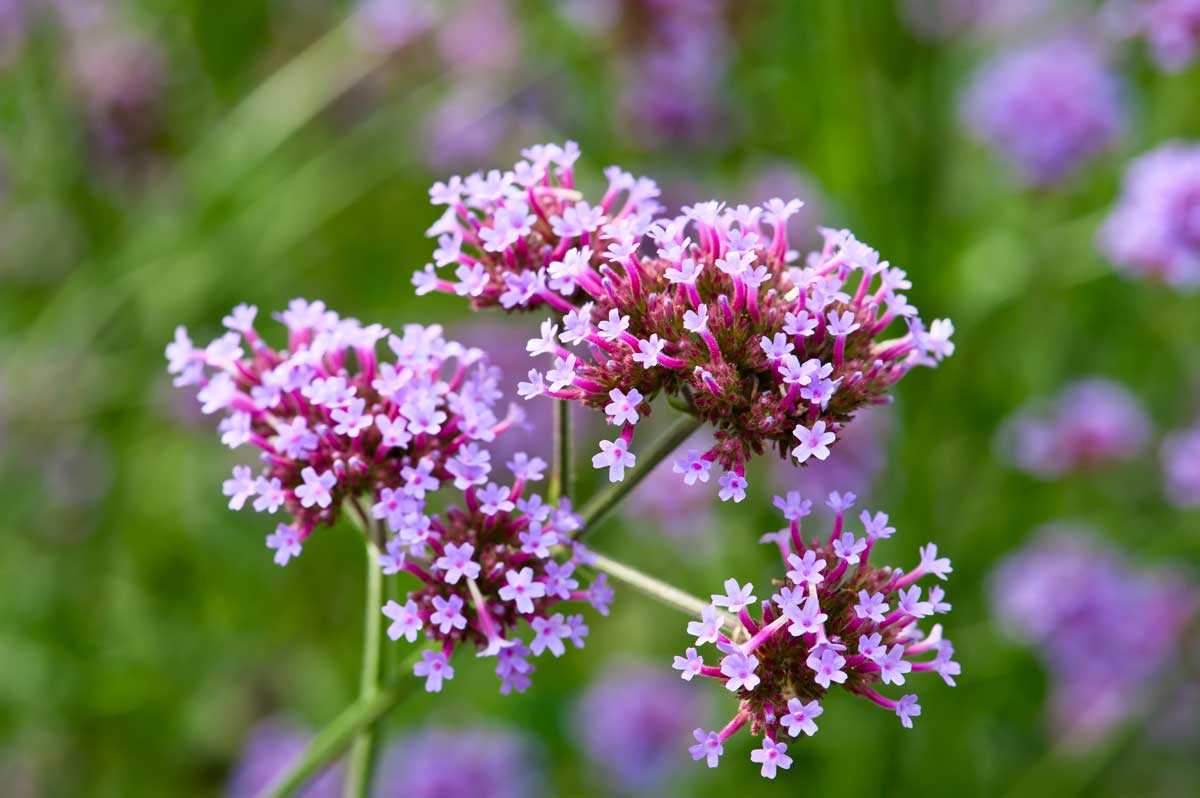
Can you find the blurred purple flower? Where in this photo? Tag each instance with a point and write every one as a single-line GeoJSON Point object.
{"type": "Point", "coordinates": [273, 745]}
{"type": "Point", "coordinates": [1092, 423]}
{"type": "Point", "coordinates": [1105, 630]}
{"type": "Point", "coordinates": [1181, 466]}
{"type": "Point", "coordinates": [1170, 27]}
{"type": "Point", "coordinates": [630, 722]}
{"type": "Point", "coordinates": [1154, 230]}
{"type": "Point", "coordinates": [1047, 108]}
{"type": "Point", "coordinates": [477, 762]}
{"type": "Point", "coordinates": [480, 36]}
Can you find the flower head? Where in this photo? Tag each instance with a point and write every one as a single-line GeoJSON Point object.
{"type": "Point", "coordinates": [720, 318]}
{"type": "Point", "coordinates": [1153, 231]}
{"type": "Point", "coordinates": [1047, 108]}
{"type": "Point", "coordinates": [854, 627]}
{"type": "Point", "coordinates": [1091, 423]}
{"type": "Point", "coordinates": [334, 423]}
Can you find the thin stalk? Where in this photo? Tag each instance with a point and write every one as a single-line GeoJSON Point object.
{"type": "Point", "coordinates": [661, 592]}
{"type": "Point", "coordinates": [560, 470]}
{"type": "Point", "coordinates": [337, 736]}
{"type": "Point", "coordinates": [601, 504]}
{"type": "Point", "coordinates": [362, 754]}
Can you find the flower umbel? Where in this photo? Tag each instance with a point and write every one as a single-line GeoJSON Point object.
{"type": "Point", "coordinates": [709, 308]}
{"type": "Point", "coordinates": [835, 619]}
{"type": "Point", "coordinates": [332, 422]}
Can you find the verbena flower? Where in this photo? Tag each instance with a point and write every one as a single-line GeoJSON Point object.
{"type": "Point", "coordinates": [1093, 422]}
{"type": "Point", "coordinates": [629, 723]}
{"type": "Point", "coordinates": [443, 763]}
{"type": "Point", "coordinates": [705, 307]}
{"type": "Point", "coordinates": [1154, 229]}
{"type": "Point", "coordinates": [485, 567]}
{"type": "Point", "coordinates": [331, 422]}
{"type": "Point", "coordinates": [1181, 466]}
{"type": "Point", "coordinates": [1106, 631]}
{"type": "Point", "coordinates": [1170, 27]}
{"type": "Point", "coordinates": [1047, 108]}
{"type": "Point", "coordinates": [836, 619]}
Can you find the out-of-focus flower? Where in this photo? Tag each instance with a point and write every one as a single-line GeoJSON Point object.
{"type": "Point", "coordinates": [1181, 466]}
{"type": "Point", "coordinates": [774, 356]}
{"type": "Point", "coordinates": [683, 45]}
{"type": "Point", "coordinates": [1106, 631]}
{"type": "Point", "coordinates": [479, 36]}
{"type": "Point", "coordinates": [272, 748]}
{"type": "Point", "coordinates": [629, 723]}
{"type": "Point", "coordinates": [1154, 229]}
{"type": "Point", "coordinates": [475, 762]}
{"type": "Point", "coordinates": [1170, 27]}
{"type": "Point", "coordinates": [1047, 108]}
{"type": "Point", "coordinates": [836, 620]}
{"type": "Point", "coordinates": [14, 23]}
{"type": "Point", "coordinates": [685, 515]}
{"type": "Point", "coordinates": [1091, 423]}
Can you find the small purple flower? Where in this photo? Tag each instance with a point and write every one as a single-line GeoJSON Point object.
{"type": "Point", "coordinates": [286, 543]}
{"type": "Point", "coordinates": [708, 747]}
{"type": "Point", "coordinates": [738, 669]}
{"type": "Point", "coordinates": [693, 467]}
{"type": "Point", "coordinates": [907, 708]}
{"type": "Point", "coordinates": [406, 621]}
{"type": "Point", "coordinates": [241, 487]}
{"type": "Point", "coordinates": [316, 488]}
{"type": "Point", "coordinates": [616, 457]}
{"type": "Point", "coordinates": [522, 590]}
{"type": "Point", "coordinates": [688, 665]}
{"type": "Point", "coordinates": [435, 667]}
{"type": "Point", "coordinates": [814, 442]}
{"type": "Point", "coordinates": [736, 597]}
{"type": "Point", "coordinates": [457, 563]}
{"type": "Point", "coordinates": [733, 486]}
{"type": "Point", "coordinates": [771, 755]}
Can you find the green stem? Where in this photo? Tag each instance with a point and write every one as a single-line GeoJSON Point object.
{"type": "Point", "coordinates": [602, 503]}
{"type": "Point", "coordinates": [362, 754]}
{"type": "Point", "coordinates": [660, 591]}
{"type": "Point", "coordinates": [335, 737]}
{"type": "Point", "coordinates": [560, 469]}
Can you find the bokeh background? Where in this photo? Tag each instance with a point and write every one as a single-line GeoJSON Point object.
{"type": "Point", "coordinates": [162, 160]}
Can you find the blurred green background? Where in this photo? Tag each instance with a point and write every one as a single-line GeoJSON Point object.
{"type": "Point", "coordinates": [257, 151]}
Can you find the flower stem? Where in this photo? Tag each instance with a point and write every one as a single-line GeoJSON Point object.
{"type": "Point", "coordinates": [560, 470]}
{"type": "Point", "coordinates": [362, 754]}
{"type": "Point", "coordinates": [335, 737]}
{"type": "Point", "coordinates": [660, 591]}
{"type": "Point", "coordinates": [602, 503]}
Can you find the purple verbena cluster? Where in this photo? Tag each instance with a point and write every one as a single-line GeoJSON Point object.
{"type": "Point", "coordinates": [629, 723]}
{"type": "Point", "coordinates": [1093, 422]}
{"type": "Point", "coordinates": [1181, 466]}
{"type": "Point", "coordinates": [1105, 630]}
{"type": "Point", "coordinates": [330, 420]}
{"type": "Point", "coordinates": [1154, 229]}
{"type": "Point", "coordinates": [835, 619]}
{"type": "Point", "coordinates": [705, 307]}
{"type": "Point", "coordinates": [1047, 108]}
{"type": "Point", "coordinates": [484, 567]}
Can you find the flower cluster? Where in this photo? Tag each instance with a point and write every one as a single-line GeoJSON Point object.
{"type": "Point", "coordinates": [1105, 630]}
{"type": "Point", "coordinates": [629, 723]}
{"type": "Point", "coordinates": [484, 567]}
{"type": "Point", "coordinates": [1093, 422]}
{"type": "Point", "coordinates": [835, 619]}
{"type": "Point", "coordinates": [706, 307]}
{"type": "Point", "coordinates": [330, 420]}
{"type": "Point", "coordinates": [1047, 108]}
{"type": "Point", "coordinates": [1154, 230]}
{"type": "Point", "coordinates": [1181, 466]}
{"type": "Point", "coordinates": [1170, 27]}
